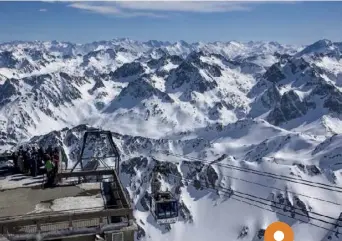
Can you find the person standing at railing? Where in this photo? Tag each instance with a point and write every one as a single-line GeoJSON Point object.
{"type": "Point", "coordinates": [49, 150]}
{"type": "Point", "coordinates": [34, 162]}
{"type": "Point", "coordinates": [15, 161]}
{"type": "Point", "coordinates": [20, 160]}
{"type": "Point", "coordinates": [41, 160]}
{"type": "Point", "coordinates": [55, 157]}
{"type": "Point", "coordinates": [49, 166]}
{"type": "Point", "coordinates": [26, 159]}
{"type": "Point", "coordinates": [21, 163]}
{"type": "Point", "coordinates": [56, 164]}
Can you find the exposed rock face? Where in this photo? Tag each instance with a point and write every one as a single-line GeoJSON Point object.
{"type": "Point", "coordinates": [274, 74]}
{"type": "Point", "coordinates": [282, 204]}
{"type": "Point", "coordinates": [188, 78]}
{"type": "Point", "coordinates": [290, 107]}
{"type": "Point", "coordinates": [243, 233]}
{"type": "Point", "coordinates": [129, 69]}
{"type": "Point", "coordinates": [271, 97]}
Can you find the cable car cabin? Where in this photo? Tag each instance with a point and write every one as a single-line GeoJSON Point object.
{"type": "Point", "coordinates": [164, 208]}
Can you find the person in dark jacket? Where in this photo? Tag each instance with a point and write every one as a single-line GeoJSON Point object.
{"type": "Point", "coordinates": [55, 160]}
{"type": "Point", "coordinates": [49, 150]}
{"type": "Point", "coordinates": [26, 158]}
{"type": "Point", "coordinates": [41, 161]}
{"type": "Point", "coordinates": [15, 161]}
{"type": "Point", "coordinates": [20, 160]}
{"type": "Point", "coordinates": [20, 152]}
{"type": "Point", "coordinates": [34, 162]}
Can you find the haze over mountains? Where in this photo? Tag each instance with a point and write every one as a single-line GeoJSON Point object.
{"type": "Point", "coordinates": [262, 105]}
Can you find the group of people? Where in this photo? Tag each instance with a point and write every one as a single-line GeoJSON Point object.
{"type": "Point", "coordinates": [37, 161]}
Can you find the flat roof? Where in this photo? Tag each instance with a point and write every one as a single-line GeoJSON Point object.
{"type": "Point", "coordinates": [30, 200]}
{"type": "Point", "coordinates": [23, 195]}
{"type": "Point", "coordinates": [98, 198]}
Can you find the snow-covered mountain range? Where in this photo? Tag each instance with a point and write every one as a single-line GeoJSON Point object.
{"type": "Point", "coordinates": [258, 105]}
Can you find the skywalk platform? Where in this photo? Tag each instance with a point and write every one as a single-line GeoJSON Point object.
{"type": "Point", "coordinates": [82, 205]}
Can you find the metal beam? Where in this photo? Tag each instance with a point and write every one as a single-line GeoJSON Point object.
{"type": "Point", "coordinates": [54, 218]}
{"type": "Point", "coordinates": [69, 233]}
{"type": "Point", "coordinates": [120, 191]}
{"type": "Point", "coordinates": [112, 146]}
{"type": "Point", "coordinates": [116, 151]}
{"type": "Point", "coordinates": [79, 161]}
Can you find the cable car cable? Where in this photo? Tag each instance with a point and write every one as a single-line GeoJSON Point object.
{"type": "Point", "coordinates": [245, 198]}
{"type": "Point", "coordinates": [279, 189]}
{"type": "Point", "coordinates": [252, 170]}
{"type": "Point", "coordinates": [272, 187]}
{"type": "Point", "coordinates": [248, 170]}
{"type": "Point", "coordinates": [253, 196]}
{"type": "Point", "coordinates": [268, 173]}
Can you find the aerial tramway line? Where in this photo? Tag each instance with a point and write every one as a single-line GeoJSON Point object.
{"type": "Point", "coordinates": [260, 202]}
{"type": "Point", "coordinates": [164, 206]}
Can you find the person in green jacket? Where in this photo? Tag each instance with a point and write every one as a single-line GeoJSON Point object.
{"type": "Point", "coordinates": [49, 166]}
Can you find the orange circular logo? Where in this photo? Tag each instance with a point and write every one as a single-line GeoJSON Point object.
{"type": "Point", "coordinates": [279, 231]}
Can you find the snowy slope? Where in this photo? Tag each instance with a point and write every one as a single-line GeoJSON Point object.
{"type": "Point", "coordinates": [258, 105]}
{"type": "Point", "coordinates": [283, 152]}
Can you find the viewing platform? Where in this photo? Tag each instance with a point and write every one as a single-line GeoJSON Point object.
{"type": "Point", "coordinates": [84, 205]}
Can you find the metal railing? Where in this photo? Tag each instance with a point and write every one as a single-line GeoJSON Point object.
{"type": "Point", "coordinates": [66, 212]}
{"type": "Point", "coordinates": [69, 231]}
{"type": "Point", "coordinates": [48, 227]}
{"type": "Point", "coordinates": [75, 219]}
{"type": "Point", "coordinates": [60, 221]}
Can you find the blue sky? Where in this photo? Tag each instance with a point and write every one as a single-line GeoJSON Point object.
{"type": "Point", "coordinates": [285, 22]}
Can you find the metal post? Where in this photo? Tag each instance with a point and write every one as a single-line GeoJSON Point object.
{"type": "Point", "coordinates": [38, 226]}
{"type": "Point", "coordinates": [154, 187]}
{"type": "Point", "coordinates": [116, 151]}
{"type": "Point", "coordinates": [5, 229]}
{"type": "Point", "coordinates": [70, 222]}
{"type": "Point", "coordinates": [79, 161]}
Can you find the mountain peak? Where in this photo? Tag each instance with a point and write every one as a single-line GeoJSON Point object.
{"type": "Point", "coordinates": [321, 47]}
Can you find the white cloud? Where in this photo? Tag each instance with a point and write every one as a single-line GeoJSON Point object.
{"type": "Point", "coordinates": [43, 10]}
{"type": "Point", "coordinates": [111, 9]}
{"type": "Point", "coordinates": [96, 8]}
{"type": "Point", "coordinates": [150, 8]}
{"type": "Point", "coordinates": [186, 6]}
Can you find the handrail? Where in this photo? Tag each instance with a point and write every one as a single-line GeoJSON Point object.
{"type": "Point", "coordinates": [85, 173]}
{"type": "Point", "coordinates": [74, 210]}
{"type": "Point", "coordinates": [99, 168]}
{"type": "Point", "coordinates": [69, 232]}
